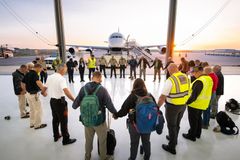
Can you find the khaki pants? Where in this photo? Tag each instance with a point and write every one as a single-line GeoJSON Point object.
{"type": "Point", "coordinates": [143, 72]}
{"type": "Point", "coordinates": [157, 71]}
{"type": "Point", "coordinates": [35, 109]}
{"type": "Point", "coordinates": [22, 104]}
{"type": "Point", "coordinates": [215, 106]}
{"type": "Point", "coordinates": [101, 131]}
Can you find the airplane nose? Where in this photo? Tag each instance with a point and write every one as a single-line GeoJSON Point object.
{"type": "Point", "coordinates": [116, 43]}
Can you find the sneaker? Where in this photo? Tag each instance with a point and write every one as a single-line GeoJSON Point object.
{"type": "Point", "coordinates": [69, 141]}
{"type": "Point", "coordinates": [168, 149]}
{"type": "Point", "coordinates": [188, 137]}
{"type": "Point", "coordinates": [41, 126]}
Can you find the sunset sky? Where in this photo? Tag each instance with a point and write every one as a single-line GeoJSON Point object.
{"type": "Point", "coordinates": [90, 22]}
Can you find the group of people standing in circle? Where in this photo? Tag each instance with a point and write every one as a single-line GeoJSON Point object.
{"type": "Point", "coordinates": [199, 94]}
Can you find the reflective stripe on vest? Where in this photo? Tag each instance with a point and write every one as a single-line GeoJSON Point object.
{"type": "Point", "coordinates": [180, 89]}
{"type": "Point", "coordinates": [91, 63]}
{"type": "Point", "coordinates": [203, 100]}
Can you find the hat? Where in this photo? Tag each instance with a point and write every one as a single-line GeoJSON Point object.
{"type": "Point", "coordinates": [197, 69]}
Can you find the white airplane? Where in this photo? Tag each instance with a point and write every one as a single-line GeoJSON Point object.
{"type": "Point", "coordinates": [116, 44]}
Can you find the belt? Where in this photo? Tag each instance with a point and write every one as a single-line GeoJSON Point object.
{"type": "Point", "coordinates": [33, 92]}
{"type": "Point", "coordinates": [57, 99]}
{"type": "Point", "coordinates": [61, 100]}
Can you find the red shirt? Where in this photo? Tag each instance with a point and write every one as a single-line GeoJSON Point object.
{"type": "Point", "coordinates": [215, 81]}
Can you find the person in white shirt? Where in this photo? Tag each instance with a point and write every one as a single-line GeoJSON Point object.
{"type": "Point", "coordinates": [57, 89]}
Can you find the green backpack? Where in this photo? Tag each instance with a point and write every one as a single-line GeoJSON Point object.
{"type": "Point", "coordinates": [90, 112]}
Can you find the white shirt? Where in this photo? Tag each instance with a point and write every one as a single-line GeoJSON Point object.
{"type": "Point", "coordinates": [55, 85]}
{"type": "Point", "coordinates": [167, 88]}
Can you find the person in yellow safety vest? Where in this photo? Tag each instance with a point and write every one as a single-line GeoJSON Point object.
{"type": "Point", "coordinates": [200, 95]}
{"type": "Point", "coordinates": [175, 95]}
{"type": "Point", "coordinates": [91, 65]}
{"type": "Point", "coordinates": [56, 62]}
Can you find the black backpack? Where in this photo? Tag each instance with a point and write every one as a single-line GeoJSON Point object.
{"type": "Point", "coordinates": [160, 123]}
{"type": "Point", "coordinates": [226, 123]}
{"type": "Point", "coordinates": [232, 105]}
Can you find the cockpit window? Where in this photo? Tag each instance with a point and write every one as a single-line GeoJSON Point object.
{"type": "Point", "coordinates": [116, 37]}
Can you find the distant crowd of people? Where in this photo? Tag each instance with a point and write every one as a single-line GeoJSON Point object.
{"type": "Point", "coordinates": [93, 64]}
{"type": "Point", "coordinates": [193, 85]}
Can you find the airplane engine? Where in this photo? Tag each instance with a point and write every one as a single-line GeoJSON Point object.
{"type": "Point", "coordinates": [72, 50]}
{"type": "Point", "coordinates": [89, 50]}
{"type": "Point", "coordinates": [148, 51]}
{"type": "Point", "coordinates": [162, 50]}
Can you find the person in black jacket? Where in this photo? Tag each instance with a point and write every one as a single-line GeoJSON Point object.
{"type": "Point", "coordinates": [128, 107]}
{"type": "Point", "coordinates": [18, 76]}
{"type": "Point", "coordinates": [219, 91]}
{"type": "Point", "coordinates": [70, 68]}
{"type": "Point", "coordinates": [81, 69]}
{"type": "Point", "coordinates": [133, 65]}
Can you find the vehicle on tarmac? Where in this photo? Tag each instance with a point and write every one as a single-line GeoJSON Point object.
{"type": "Point", "coordinates": [49, 62]}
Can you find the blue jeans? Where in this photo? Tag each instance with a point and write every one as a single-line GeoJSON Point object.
{"type": "Point", "coordinates": [206, 113]}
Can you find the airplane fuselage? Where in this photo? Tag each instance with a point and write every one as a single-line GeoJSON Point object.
{"type": "Point", "coordinates": [116, 41]}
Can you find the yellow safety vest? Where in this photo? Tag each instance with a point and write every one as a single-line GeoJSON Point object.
{"type": "Point", "coordinates": [203, 100]}
{"type": "Point", "coordinates": [180, 89]}
{"type": "Point", "coordinates": [92, 63]}
{"type": "Point", "coordinates": [56, 62]}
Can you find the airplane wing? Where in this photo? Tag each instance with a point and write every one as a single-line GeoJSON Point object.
{"type": "Point", "coordinates": [152, 46]}
{"type": "Point", "coordinates": [89, 47]}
